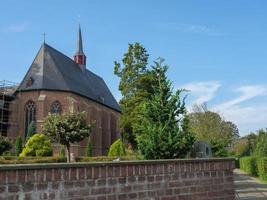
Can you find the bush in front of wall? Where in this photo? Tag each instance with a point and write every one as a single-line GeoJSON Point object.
{"type": "Point", "coordinates": [18, 145]}
{"type": "Point", "coordinates": [37, 145]}
{"type": "Point", "coordinates": [117, 149]}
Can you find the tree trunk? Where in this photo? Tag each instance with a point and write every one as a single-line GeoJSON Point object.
{"type": "Point", "coordinates": [68, 153]}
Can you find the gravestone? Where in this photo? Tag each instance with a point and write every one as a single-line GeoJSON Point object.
{"type": "Point", "coordinates": [201, 149]}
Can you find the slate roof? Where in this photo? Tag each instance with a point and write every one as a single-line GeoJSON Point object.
{"type": "Point", "coordinates": [52, 70]}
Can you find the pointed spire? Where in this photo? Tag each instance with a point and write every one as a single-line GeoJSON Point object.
{"type": "Point", "coordinates": [79, 56]}
{"type": "Point", "coordinates": [79, 50]}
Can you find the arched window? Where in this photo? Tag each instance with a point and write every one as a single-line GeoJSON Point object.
{"type": "Point", "coordinates": [30, 114]}
{"type": "Point", "coordinates": [56, 108]}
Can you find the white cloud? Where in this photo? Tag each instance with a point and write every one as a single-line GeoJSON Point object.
{"type": "Point", "coordinates": [17, 28]}
{"type": "Point", "coordinates": [249, 117]}
{"type": "Point", "coordinates": [247, 92]}
{"type": "Point", "coordinates": [202, 91]}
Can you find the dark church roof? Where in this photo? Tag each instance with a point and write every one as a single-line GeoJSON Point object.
{"type": "Point", "coordinates": [52, 70]}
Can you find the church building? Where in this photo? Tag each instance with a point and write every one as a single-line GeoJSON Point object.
{"type": "Point", "coordinates": [58, 84]}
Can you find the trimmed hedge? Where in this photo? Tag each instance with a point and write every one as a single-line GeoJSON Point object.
{"type": "Point", "coordinates": [262, 168]}
{"type": "Point", "coordinates": [29, 160]}
{"type": "Point", "coordinates": [107, 158]}
{"type": "Point", "coordinates": [249, 165]}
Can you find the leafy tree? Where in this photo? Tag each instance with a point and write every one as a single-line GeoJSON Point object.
{"type": "Point", "coordinates": [37, 145]}
{"type": "Point", "coordinates": [18, 145]}
{"type": "Point", "coordinates": [117, 149]}
{"type": "Point", "coordinates": [164, 132]}
{"type": "Point", "coordinates": [210, 127]}
{"type": "Point", "coordinates": [136, 83]}
{"type": "Point", "coordinates": [31, 130]}
{"type": "Point", "coordinates": [5, 145]}
{"type": "Point", "coordinates": [67, 129]}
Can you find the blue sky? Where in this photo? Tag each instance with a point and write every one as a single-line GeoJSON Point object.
{"type": "Point", "coordinates": [216, 49]}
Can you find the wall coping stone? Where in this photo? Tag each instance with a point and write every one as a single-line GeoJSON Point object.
{"type": "Point", "coordinates": [108, 163]}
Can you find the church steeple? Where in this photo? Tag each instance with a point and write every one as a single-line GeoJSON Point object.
{"type": "Point", "coordinates": [79, 56]}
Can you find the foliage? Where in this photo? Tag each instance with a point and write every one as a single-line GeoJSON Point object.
{"type": "Point", "coordinates": [163, 131]}
{"type": "Point", "coordinates": [62, 153]}
{"type": "Point", "coordinates": [89, 150]}
{"type": "Point", "coordinates": [107, 158]}
{"type": "Point", "coordinates": [117, 149]}
{"type": "Point", "coordinates": [261, 146]}
{"type": "Point", "coordinates": [18, 145]}
{"type": "Point", "coordinates": [67, 129]}
{"type": "Point", "coordinates": [249, 165]}
{"type": "Point", "coordinates": [136, 83]}
{"type": "Point", "coordinates": [31, 130]}
{"type": "Point", "coordinates": [5, 145]}
{"type": "Point", "coordinates": [241, 147]}
{"type": "Point", "coordinates": [37, 145]}
{"type": "Point", "coordinates": [262, 168]}
{"type": "Point", "coordinates": [27, 160]}
{"type": "Point", "coordinates": [209, 126]}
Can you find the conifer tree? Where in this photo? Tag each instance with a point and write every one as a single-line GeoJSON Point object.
{"type": "Point", "coordinates": [164, 132]}
{"type": "Point", "coordinates": [135, 85]}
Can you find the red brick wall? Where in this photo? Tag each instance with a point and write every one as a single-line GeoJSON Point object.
{"type": "Point", "coordinates": [205, 179]}
{"type": "Point", "coordinates": [103, 134]}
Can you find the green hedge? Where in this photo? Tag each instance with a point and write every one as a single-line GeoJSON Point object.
{"type": "Point", "coordinates": [249, 165]}
{"type": "Point", "coordinates": [106, 158]}
{"type": "Point", "coordinates": [262, 168]}
{"type": "Point", "coordinates": [28, 160]}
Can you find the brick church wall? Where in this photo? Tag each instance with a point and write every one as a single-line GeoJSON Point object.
{"type": "Point", "coordinates": [106, 128]}
{"type": "Point", "coordinates": [199, 179]}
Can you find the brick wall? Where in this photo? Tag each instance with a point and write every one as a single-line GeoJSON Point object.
{"type": "Point", "coordinates": [205, 179]}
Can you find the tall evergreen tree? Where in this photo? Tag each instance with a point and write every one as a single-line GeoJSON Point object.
{"type": "Point", "coordinates": [164, 132]}
{"type": "Point", "coordinates": [135, 85]}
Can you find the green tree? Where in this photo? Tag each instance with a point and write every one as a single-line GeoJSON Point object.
{"type": "Point", "coordinates": [37, 145]}
{"type": "Point", "coordinates": [261, 146]}
{"type": "Point", "coordinates": [31, 130]}
{"type": "Point", "coordinates": [117, 149]}
{"type": "Point", "coordinates": [164, 132]}
{"type": "Point", "coordinates": [18, 145]}
{"type": "Point", "coordinates": [5, 145]}
{"type": "Point", "coordinates": [67, 129]}
{"type": "Point", "coordinates": [209, 126]}
{"type": "Point", "coordinates": [136, 83]}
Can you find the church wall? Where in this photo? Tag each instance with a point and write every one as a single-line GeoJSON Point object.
{"type": "Point", "coordinates": [106, 129]}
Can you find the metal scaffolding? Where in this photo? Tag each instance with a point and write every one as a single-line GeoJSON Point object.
{"type": "Point", "coordinates": [7, 90]}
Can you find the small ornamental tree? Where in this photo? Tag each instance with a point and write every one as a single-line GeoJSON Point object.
{"type": "Point", "coordinates": [18, 145]}
{"type": "Point", "coordinates": [117, 149]}
{"type": "Point", "coordinates": [5, 145]}
{"type": "Point", "coordinates": [67, 129]}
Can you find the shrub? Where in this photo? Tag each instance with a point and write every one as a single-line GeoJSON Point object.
{"type": "Point", "coordinates": [27, 160]}
{"type": "Point", "coordinates": [62, 153]}
{"type": "Point", "coordinates": [262, 168]}
{"type": "Point", "coordinates": [249, 165]}
{"type": "Point", "coordinates": [37, 145]}
{"type": "Point", "coordinates": [89, 151]}
{"type": "Point", "coordinates": [117, 149]}
{"type": "Point", "coordinates": [5, 145]}
{"type": "Point", "coordinates": [18, 145]}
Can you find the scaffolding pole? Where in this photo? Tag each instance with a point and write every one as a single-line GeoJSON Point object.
{"type": "Point", "coordinates": [7, 90]}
